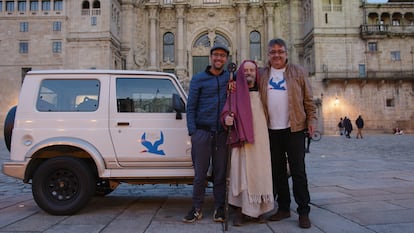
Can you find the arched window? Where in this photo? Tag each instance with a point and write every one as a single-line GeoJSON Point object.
{"type": "Point", "coordinates": [96, 7]}
{"type": "Point", "coordinates": [85, 5]}
{"type": "Point", "coordinates": [221, 40]}
{"type": "Point", "coordinates": [409, 19]}
{"type": "Point", "coordinates": [373, 18]}
{"type": "Point", "coordinates": [203, 43]}
{"type": "Point", "coordinates": [255, 46]}
{"type": "Point", "coordinates": [396, 19]}
{"type": "Point", "coordinates": [85, 8]}
{"type": "Point", "coordinates": [385, 18]}
{"type": "Point", "coordinates": [168, 47]}
{"type": "Point", "coordinates": [96, 4]}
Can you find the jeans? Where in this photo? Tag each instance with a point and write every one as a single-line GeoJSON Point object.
{"type": "Point", "coordinates": [285, 144]}
{"type": "Point", "coordinates": [208, 146]}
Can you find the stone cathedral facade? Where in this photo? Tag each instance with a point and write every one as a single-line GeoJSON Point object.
{"type": "Point", "coordinates": [360, 56]}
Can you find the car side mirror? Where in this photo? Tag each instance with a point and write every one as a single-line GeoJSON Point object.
{"type": "Point", "coordinates": [178, 105]}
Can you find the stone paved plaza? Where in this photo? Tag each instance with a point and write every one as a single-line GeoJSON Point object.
{"type": "Point", "coordinates": [357, 185]}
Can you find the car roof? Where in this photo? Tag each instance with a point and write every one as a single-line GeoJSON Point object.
{"type": "Point", "coordinates": [93, 71]}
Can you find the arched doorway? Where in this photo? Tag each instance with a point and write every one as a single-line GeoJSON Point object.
{"type": "Point", "coordinates": [201, 49]}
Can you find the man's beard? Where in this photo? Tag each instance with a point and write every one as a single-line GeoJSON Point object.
{"type": "Point", "coordinates": [250, 79]}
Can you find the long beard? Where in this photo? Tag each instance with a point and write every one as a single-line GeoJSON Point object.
{"type": "Point", "coordinates": [250, 80]}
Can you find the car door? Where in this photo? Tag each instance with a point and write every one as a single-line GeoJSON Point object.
{"type": "Point", "coordinates": [145, 128]}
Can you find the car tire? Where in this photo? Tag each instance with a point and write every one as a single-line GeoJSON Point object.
{"type": "Point", "coordinates": [8, 126]}
{"type": "Point", "coordinates": [63, 185]}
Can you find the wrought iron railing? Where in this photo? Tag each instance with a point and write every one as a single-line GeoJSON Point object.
{"type": "Point", "coordinates": [370, 75]}
{"type": "Point", "coordinates": [369, 29]}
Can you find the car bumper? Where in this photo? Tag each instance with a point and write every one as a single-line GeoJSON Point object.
{"type": "Point", "coordinates": [15, 169]}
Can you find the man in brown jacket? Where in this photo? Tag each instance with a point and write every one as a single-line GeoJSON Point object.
{"type": "Point", "coordinates": [290, 110]}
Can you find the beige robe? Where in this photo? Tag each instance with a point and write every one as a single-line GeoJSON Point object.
{"type": "Point", "coordinates": [251, 185]}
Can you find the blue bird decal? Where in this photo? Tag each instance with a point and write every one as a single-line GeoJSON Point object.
{"type": "Point", "coordinates": [152, 147]}
{"type": "Point", "coordinates": [277, 86]}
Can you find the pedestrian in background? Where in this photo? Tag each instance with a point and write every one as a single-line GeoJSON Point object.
{"type": "Point", "coordinates": [348, 127]}
{"type": "Point", "coordinates": [341, 126]}
{"type": "Point", "coordinates": [288, 99]}
{"type": "Point", "coordinates": [206, 98]}
{"type": "Point", "coordinates": [360, 125]}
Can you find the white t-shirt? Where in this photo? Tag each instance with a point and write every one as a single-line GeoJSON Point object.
{"type": "Point", "coordinates": [277, 100]}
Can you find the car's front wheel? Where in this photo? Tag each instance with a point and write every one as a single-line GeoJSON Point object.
{"type": "Point", "coordinates": [63, 185]}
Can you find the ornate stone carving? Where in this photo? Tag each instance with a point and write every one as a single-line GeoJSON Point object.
{"type": "Point", "coordinates": [140, 55]}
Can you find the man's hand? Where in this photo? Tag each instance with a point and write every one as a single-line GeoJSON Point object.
{"type": "Point", "coordinates": [229, 120]}
{"type": "Point", "coordinates": [232, 86]}
{"type": "Point", "coordinates": [311, 130]}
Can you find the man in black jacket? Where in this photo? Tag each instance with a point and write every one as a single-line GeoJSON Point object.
{"type": "Point", "coordinates": [360, 125]}
{"type": "Point", "coordinates": [206, 98]}
{"type": "Point", "coordinates": [348, 127]}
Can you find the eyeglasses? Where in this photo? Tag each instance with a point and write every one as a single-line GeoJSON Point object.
{"type": "Point", "coordinates": [222, 55]}
{"type": "Point", "coordinates": [276, 52]}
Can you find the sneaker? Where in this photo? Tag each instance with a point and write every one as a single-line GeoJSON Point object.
{"type": "Point", "coordinates": [193, 215]}
{"type": "Point", "coordinates": [219, 215]}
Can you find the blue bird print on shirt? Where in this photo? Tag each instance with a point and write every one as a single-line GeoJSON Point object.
{"type": "Point", "coordinates": [152, 147]}
{"type": "Point", "coordinates": [278, 85]}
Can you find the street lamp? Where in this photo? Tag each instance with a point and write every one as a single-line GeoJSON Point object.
{"type": "Point", "coordinates": [336, 101]}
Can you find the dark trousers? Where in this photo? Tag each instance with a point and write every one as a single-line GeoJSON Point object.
{"type": "Point", "coordinates": [205, 146]}
{"type": "Point", "coordinates": [285, 144]}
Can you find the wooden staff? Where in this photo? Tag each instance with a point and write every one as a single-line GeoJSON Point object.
{"type": "Point", "coordinates": [231, 67]}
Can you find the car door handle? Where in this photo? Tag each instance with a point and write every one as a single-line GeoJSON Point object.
{"type": "Point", "coordinates": [123, 123]}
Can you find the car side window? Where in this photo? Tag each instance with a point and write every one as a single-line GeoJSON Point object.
{"type": "Point", "coordinates": [145, 95]}
{"type": "Point", "coordinates": [68, 95]}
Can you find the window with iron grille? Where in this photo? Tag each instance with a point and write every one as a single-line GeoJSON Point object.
{"type": "Point", "coordinates": [94, 20]}
{"type": "Point", "coordinates": [23, 47]}
{"type": "Point", "coordinates": [34, 5]}
{"type": "Point", "coordinates": [57, 47]}
{"type": "Point", "coordinates": [58, 5]}
{"type": "Point", "coordinates": [168, 47]}
{"type": "Point", "coordinates": [372, 47]}
{"type": "Point", "coordinates": [45, 5]}
{"type": "Point", "coordinates": [57, 26]}
{"type": "Point", "coordinates": [24, 26]}
{"type": "Point", "coordinates": [21, 6]}
{"type": "Point", "coordinates": [10, 6]}
{"type": "Point", "coordinates": [255, 46]}
{"type": "Point", "coordinates": [395, 56]}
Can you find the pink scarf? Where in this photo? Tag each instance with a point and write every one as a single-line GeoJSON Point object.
{"type": "Point", "coordinates": [238, 103]}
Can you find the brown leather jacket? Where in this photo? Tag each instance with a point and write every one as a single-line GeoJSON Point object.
{"type": "Point", "coordinates": [302, 109]}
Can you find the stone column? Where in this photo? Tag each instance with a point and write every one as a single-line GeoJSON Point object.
{"type": "Point", "coordinates": [153, 16]}
{"type": "Point", "coordinates": [243, 36]}
{"type": "Point", "coordinates": [128, 35]}
{"type": "Point", "coordinates": [180, 37]}
{"type": "Point", "coordinates": [269, 8]}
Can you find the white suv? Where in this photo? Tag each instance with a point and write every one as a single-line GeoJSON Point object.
{"type": "Point", "coordinates": [76, 133]}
